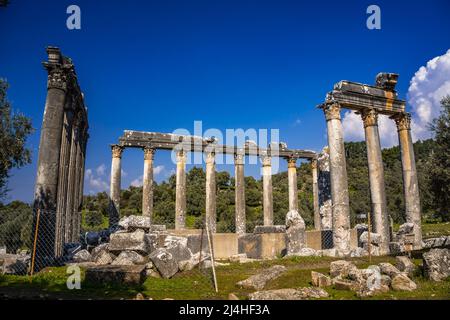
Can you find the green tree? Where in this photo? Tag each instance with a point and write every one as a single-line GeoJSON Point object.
{"type": "Point", "coordinates": [440, 161]}
{"type": "Point", "coordinates": [14, 131]}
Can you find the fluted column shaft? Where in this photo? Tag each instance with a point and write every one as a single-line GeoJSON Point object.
{"type": "Point", "coordinates": [239, 194]}
{"type": "Point", "coordinates": [267, 190]}
{"type": "Point", "coordinates": [315, 185]}
{"type": "Point", "coordinates": [147, 183]}
{"type": "Point", "coordinates": [70, 196]}
{"type": "Point", "coordinates": [180, 198]}
{"type": "Point", "coordinates": [211, 191]}
{"type": "Point", "coordinates": [292, 184]}
{"type": "Point", "coordinates": [338, 175]}
{"type": "Point", "coordinates": [376, 179]}
{"type": "Point", "coordinates": [410, 181]}
{"type": "Point", "coordinates": [114, 212]}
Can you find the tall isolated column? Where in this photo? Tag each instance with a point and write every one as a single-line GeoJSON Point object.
{"type": "Point", "coordinates": [315, 185]}
{"type": "Point", "coordinates": [267, 190]}
{"type": "Point", "coordinates": [147, 183]}
{"type": "Point", "coordinates": [46, 189]}
{"type": "Point", "coordinates": [211, 191]}
{"type": "Point", "coordinates": [63, 181]}
{"type": "Point", "coordinates": [338, 175]}
{"type": "Point", "coordinates": [76, 213]}
{"type": "Point", "coordinates": [239, 194]}
{"type": "Point", "coordinates": [70, 196]}
{"type": "Point", "coordinates": [376, 179]}
{"type": "Point", "coordinates": [292, 184]}
{"type": "Point", "coordinates": [410, 182]}
{"type": "Point", "coordinates": [116, 168]}
{"type": "Point", "coordinates": [180, 198]}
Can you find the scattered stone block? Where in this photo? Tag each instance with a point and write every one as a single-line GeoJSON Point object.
{"type": "Point", "coordinates": [164, 262]}
{"type": "Point", "coordinates": [133, 241]}
{"type": "Point", "coordinates": [121, 275]}
{"type": "Point", "coordinates": [344, 284]}
{"type": "Point", "coordinates": [401, 282]}
{"type": "Point", "coordinates": [436, 264]}
{"type": "Point", "coordinates": [404, 264]}
{"type": "Point", "coordinates": [258, 281]}
{"type": "Point", "coordinates": [103, 258]}
{"type": "Point", "coordinates": [341, 268]}
{"type": "Point", "coordinates": [295, 232]}
{"type": "Point", "coordinates": [388, 269]}
{"type": "Point", "coordinates": [375, 238]}
{"type": "Point", "coordinates": [132, 223]}
{"type": "Point", "coordinates": [82, 256]}
{"type": "Point", "coordinates": [177, 246]}
{"type": "Point", "coordinates": [304, 252]}
{"type": "Point", "coordinates": [320, 280]}
{"type": "Point", "coordinates": [289, 294]}
{"type": "Point", "coordinates": [129, 258]}
{"type": "Point", "coordinates": [232, 296]}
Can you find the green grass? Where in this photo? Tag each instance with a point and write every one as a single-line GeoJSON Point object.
{"type": "Point", "coordinates": [431, 230]}
{"type": "Point", "coordinates": [195, 284]}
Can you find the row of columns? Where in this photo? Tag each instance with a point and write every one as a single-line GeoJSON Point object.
{"type": "Point", "coordinates": [210, 215]}
{"type": "Point", "coordinates": [339, 185]}
{"type": "Point", "coordinates": [62, 149]}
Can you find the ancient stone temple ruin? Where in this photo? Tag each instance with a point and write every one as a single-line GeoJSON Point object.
{"type": "Point", "coordinates": [62, 153]}
{"type": "Point", "coordinates": [369, 101]}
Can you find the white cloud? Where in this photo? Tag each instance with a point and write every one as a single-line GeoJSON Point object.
{"type": "Point", "coordinates": [429, 84]}
{"type": "Point", "coordinates": [101, 169]}
{"type": "Point", "coordinates": [95, 184]}
{"type": "Point", "coordinates": [138, 181]}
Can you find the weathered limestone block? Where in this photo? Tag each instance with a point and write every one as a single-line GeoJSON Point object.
{"type": "Point", "coordinates": [289, 294]}
{"type": "Point", "coordinates": [121, 275]}
{"type": "Point", "coordinates": [269, 229]}
{"type": "Point", "coordinates": [134, 241]}
{"type": "Point", "coordinates": [131, 223]}
{"type": "Point", "coordinates": [164, 262]}
{"type": "Point", "coordinates": [96, 250]}
{"type": "Point", "coordinates": [195, 260]}
{"type": "Point", "coordinates": [82, 256]}
{"type": "Point", "coordinates": [436, 264]}
{"type": "Point", "coordinates": [129, 258]}
{"type": "Point", "coordinates": [195, 242]}
{"type": "Point", "coordinates": [358, 252]}
{"type": "Point", "coordinates": [396, 247]}
{"type": "Point", "coordinates": [404, 264]}
{"type": "Point", "coordinates": [14, 264]}
{"type": "Point", "coordinates": [304, 252]}
{"type": "Point", "coordinates": [258, 281]}
{"type": "Point", "coordinates": [341, 268]}
{"type": "Point", "coordinates": [262, 245]}
{"type": "Point", "coordinates": [375, 238]}
{"type": "Point", "coordinates": [103, 258]}
{"type": "Point", "coordinates": [389, 269]}
{"type": "Point", "coordinates": [344, 284]}
{"type": "Point", "coordinates": [320, 280]}
{"type": "Point", "coordinates": [295, 232]}
{"type": "Point", "coordinates": [177, 246]}
{"type": "Point", "coordinates": [401, 282]}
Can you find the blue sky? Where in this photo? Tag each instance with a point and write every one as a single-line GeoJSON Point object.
{"type": "Point", "coordinates": [161, 65]}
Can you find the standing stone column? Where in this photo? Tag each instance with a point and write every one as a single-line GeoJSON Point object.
{"type": "Point", "coordinates": [325, 203]}
{"type": "Point", "coordinates": [114, 211]}
{"type": "Point", "coordinates": [45, 196]}
{"type": "Point", "coordinates": [147, 183]}
{"type": "Point", "coordinates": [267, 190]}
{"type": "Point", "coordinates": [62, 181]}
{"type": "Point", "coordinates": [70, 196]}
{"type": "Point", "coordinates": [338, 173]}
{"type": "Point", "coordinates": [211, 191]}
{"type": "Point", "coordinates": [292, 184]}
{"type": "Point", "coordinates": [376, 179]}
{"type": "Point", "coordinates": [180, 198]}
{"type": "Point", "coordinates": [239, 193]}
{"type": "Point", "coordinates": [315, 185]}
{"type": "Point", "coordinates": [76, 213]}
{"type": "Point", "coordinates": [410, 183]}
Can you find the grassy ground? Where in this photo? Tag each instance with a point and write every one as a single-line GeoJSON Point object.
{"type": "Point", "coordinates": [431, 230]}
{"type": "Point", "coordinates": [51, 283]}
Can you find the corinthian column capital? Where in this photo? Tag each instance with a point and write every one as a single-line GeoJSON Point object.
{"type": "Point", "coordinates": [332, 111]}
{"type": "Point", "coordinates": [210, 157]}
{"type": "Point", "coordinates": [369, 117]}
{"type": "Point", "coordinates": [314, 164]}
{"type": "Point", "coordinates": [403, 121]}
{"type": "Point", "coordinates": [292, 162]}
{"type": "Point", "coordinates": [57, 78]}
{"type": "Point", "coordinates": [116, 151]}
{"type": "Point", "coordinates": [149, 153]}
{"type": "Point", "coordinates": [238, 158]}
{"type": "Point", "coordinates": [266, 160]}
